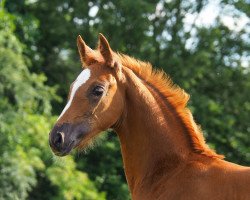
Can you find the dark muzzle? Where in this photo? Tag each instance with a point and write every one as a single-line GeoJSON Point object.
{"type": "Point", "coordinates": [63, 138]}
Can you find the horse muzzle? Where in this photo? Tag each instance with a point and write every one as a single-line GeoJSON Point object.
{"type": "Point", "coordinates": [65, 137]}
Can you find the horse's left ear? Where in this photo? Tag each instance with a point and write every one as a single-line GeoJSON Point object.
{"type": "Point", "coordinates": [106, 51]}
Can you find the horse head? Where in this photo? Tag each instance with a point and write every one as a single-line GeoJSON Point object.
{"type": "Point", "coordinates": [95, 100]}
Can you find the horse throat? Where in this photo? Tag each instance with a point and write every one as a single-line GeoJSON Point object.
{"type": "Point", "coordinates": [152, 140]}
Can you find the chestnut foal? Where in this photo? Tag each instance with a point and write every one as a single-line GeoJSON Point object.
{"type": "Point", "coordinates": [164, 152]}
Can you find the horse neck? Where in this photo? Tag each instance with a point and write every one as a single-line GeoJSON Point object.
{"type": "Point", "coordinates": [152, 139]}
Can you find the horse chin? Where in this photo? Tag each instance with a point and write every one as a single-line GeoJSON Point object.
{"type": "Point", "coordinates": [86, 142]}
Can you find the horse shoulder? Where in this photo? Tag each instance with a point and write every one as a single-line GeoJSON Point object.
{"type": "Point", "coordinates": [206, 178]}
{"type": "Point", "coordinates": [218, 179]}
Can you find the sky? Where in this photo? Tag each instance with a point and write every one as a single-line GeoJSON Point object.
{"type": "Point", "coordinates": [209, 14]}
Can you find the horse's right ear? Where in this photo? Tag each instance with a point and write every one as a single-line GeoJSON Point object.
{"type": "Point", "coordinates": [85, 52]}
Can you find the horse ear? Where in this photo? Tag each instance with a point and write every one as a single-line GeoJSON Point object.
{"type": "Point", "coordinates": [84, 50]}
{"type": "Point", "coordinates": [108, 55]}
{"type": "Point", "coordinates": [105, 50]}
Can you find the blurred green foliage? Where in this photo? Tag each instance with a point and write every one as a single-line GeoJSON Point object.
{"type": "Point", "coordinates": [38, 61]}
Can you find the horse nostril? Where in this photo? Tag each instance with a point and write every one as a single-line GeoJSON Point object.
{"type": "Point", "coordinates": [59, 139]}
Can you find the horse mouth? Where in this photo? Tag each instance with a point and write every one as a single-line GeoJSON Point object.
{"type": "Point", "coordinates": [67, 150]}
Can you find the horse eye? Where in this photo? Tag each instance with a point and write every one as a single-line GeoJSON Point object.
{"type": "Point", "coordinates": [98, 91]}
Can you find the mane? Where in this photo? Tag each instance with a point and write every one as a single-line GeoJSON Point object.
{"type": "Point", "coordinates": [176, 97]}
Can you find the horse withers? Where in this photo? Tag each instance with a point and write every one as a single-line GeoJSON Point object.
{"type": "Point", "coordinates": [164, 152]}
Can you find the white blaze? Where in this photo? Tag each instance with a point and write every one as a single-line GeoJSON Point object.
{"type": "Point", "coordinates": [80, 80]}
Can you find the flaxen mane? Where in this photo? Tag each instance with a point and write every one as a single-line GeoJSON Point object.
{"type": "Point", "coordinates": [174, 96]}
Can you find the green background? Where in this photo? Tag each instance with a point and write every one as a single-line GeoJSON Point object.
{"type": "Point", "coordinates": [39, 60]}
